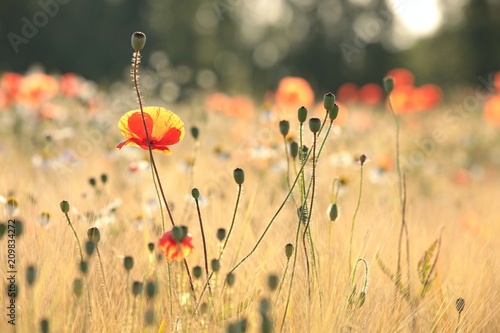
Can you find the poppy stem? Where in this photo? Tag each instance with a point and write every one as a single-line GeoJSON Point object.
{"type": "Point", "coordinates": [137, 56]}
{"type": "Point", "coordinates": [204, 244]}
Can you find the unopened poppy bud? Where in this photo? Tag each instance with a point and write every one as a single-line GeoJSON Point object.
{"type": "Point", "coordinates": [151, 247]}
{"type": "Point", "coordinates": [328, 101]}
{"type": "Point", "coordinates": [230, 279]}
{"type": "Point", "coordinates": [64, 206]}
{"type": "Point", "coordinates": [284, 127]}
{"type": "Point", "coordinates": [288, 250]}
{"type": "Point", "coordinates": [221, 234]}
{"type": "Point", "coordinates": [333, 212]}
{"type": "Point", "coordinates": [128, 263]}
{"type": "Point", "coordinates": [333, 112]}
{"type": "Point", "coordinates": [30, 275]}
{"type": "Point", "coordinates": [388, 84]}
{"type": "Point", "coordinates": [195, 193]}
{"type": "Point", "coordinates": [197, 271]}
{"type": "Point", "coordinates": [104, 178]}
{"type": "Point", "coordinates": [215, 264]}
{"type": "Point", "coordinates": [272, 282]}
{"type": "Point", "coordinates": [460, 304]}
{"type": "Point", "coordinates": [150, 289]}
{"type": "Point", "coordinates": [294, 149]}
{"type": "Point", "coordinates": [89, 247]}
{"type": "Point", "coordinates": [302, 114]}
{"type": "Point", "coordinates": [195, 132]}
{"type": "Point", "coordinates": [239, 176]}
{"type": "Point", "coordinates": [314, 125]}
{"type": "Point", "coordinates": [138, 40]}
{"type": "Point", "coordinates": [84, 267]}
{"type": "Point", "coordinates": [136, 288]}
{"type": "Point", "coordinates": [362, 159]}
{"type": "Point", "coordinates": [77, 287]}
{"type": "Point", "coordinates": [94, 234]}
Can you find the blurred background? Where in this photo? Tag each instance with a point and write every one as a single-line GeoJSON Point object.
{"type": "Point", "coordinates": [246, 46]}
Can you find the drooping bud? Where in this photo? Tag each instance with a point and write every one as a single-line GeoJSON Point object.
{"type": "Point", "coordinates": [333, 212]}
{"type": "Point", "coordinates": [138, 40]}
{"type": "Point", "coordinates": [284, 127]}
{"type": "Point", "coordinates": [388, 84]}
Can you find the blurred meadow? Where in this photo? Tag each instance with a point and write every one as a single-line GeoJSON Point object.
{"type": "Point", "coordinates": [307, 166]}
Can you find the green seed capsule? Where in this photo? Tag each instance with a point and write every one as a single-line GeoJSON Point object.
{"type": "Point", "coordinates": [230, 279]}
{"type": "Point", "coordinates": [138, 40]}
{"type": "Point", "coordinates": [221, 234]}
{"type": "Point", "coordinates": [128, 263]}
{"type": "Point", "coordinates": [272, 282]}
{"type": "Point", "coordinates": [333, 112]}
{"type": "Point", "coordinates": [388, 84]}
{"type": "Point", "coordinates": [284, 126]}
{"type": "Point", "coordinates": [197, 271]}
{"type": "Point", "coordinates": [314, 125]}
{"type": "Point", "coordinates": [294, 149]}
{"type": "Point", "coordinates": [195, 193]}
{"type": "Point", "coordinates": [288, 250]}
{"type": "Point", "coordinates": [302, 114]}
{"type": "Point", "coordinates": [215, 265]}
{"type": "Point", "coordinates": [328, 101]}
{"type": "Point", "coordinates": [195, 132]}
{"type": "Point", "coordinates": [94, 235]}
{"type": "Point", "coordinates": [136, 288]}
{"type": "Point", "coordinates": [239, 176]}
{"type": "Point", "coordinates": [64, 206]}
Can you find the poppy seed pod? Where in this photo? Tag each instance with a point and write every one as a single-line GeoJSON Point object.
{"type": "Point", "coordinates": [230, 279]}
{"type": "Point", "coordinates": [362, 159]}
{"type": "Point", "coordinates": [128, 263]}
{"type": "Point", "coordinates": [84, 267]}
{"type": "Point", "coordinates": [94, 235]}
{"type": "Point", "coordinates": [288, 250]}
{"type": "Point", "coordinates": [388, 84]}
{"type": "Point", "coordinates": [151, 246]}
{"type": "Point", "coordinates": [31, 275]}
{"type": "Point", "coordinates": [44, 325]}
{"type": "Point", "coordinates": [195, 132]}
{"type": "Point", "coordinates": [215, 264]}
{"type": "Point", "coordinates": [136, 288]}
{"type": "Point", "coordinates": [221, 234]}
{"type": "Point", "coordinates": [64, 206]}
{"type": "Point", "coordinates": [333, 112]}
{"type": "Point", "coordinates": [195, 193]}
{"type": "Point", "coordinates": [197, 271]}
{"type": "Point", "coordinates": [178, 234]}
{"type": "Point", "coordinates": [314, 125]}
{"type": "Point", "coordinates": [302, 114]}
{"type": "Point", "coordinates": [89, 247]}
{"type": "Point", "coordinates": [460, 304]}
{"type": "Point", "coordinates": [138, 40]}
{"type": "Point", "coordinates": [104, 178]}
{"type": "Point", "coordinates": [284, 127]}
{"type": "Point", "coordinates": [272, 282]}
{"type": "Point", "coordinates": [150, 289]}
{"type": "Point", "coordinates": [78, 287]}
{"type": "Point", "coordinates": [328, 101]}
{"type": "Point", "coordinates": [239, 176]}
{"type": "Point", "coordinates": [92, 181]}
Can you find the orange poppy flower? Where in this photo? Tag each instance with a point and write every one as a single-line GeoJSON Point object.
{"type": "Point", "coordinates": [173, 250]}
{"type": "Point", "coordinates": [294, 92]}
{"type": "Point", "coordinates": [37, 88]}
{"type": "Point", "coordinates": [402, 77]}
{"type": "Point", "coordinates": [492, 110]}
{"type": "Point", "coordinates": [164, 127]}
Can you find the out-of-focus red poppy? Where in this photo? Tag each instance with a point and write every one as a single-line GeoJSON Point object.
{"type": "Point", "coordinates": [37, 88]}
{"type": "Point", "coordinates": [4, 100]}
{"type": "Point", "coordinates": [371, 94]}
{"type": "Point", "coordinates": [164, 127]}
{"type": "Point", "coordinates": [173, 250]}
{"type": "Point", "coordinates": [10, 84]}
{"type": "Point", "coordinates": [218, 102]}
{"type": "Point", "coordinates": [236, 107]}
{"type": "Point", "coordinates": [71, 84]}
{"type": "Point", "coordinates": [492, 110]}
{"type": "Point", "coordinates": [426, 97]}
{"type": "Point", "coordinates": [347, 93]}
{"type": "Point", "coordinates": [294, 92]}
{"type": "Point", "coordinates": [402, 77]}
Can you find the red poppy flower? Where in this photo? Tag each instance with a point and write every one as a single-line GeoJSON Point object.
{"type": "Point", "coordinates": [173, 250]}
{"type": "Point", "coordinates": [347, 93]}
{"type": "Point", "coordinates": [492, 110]}
{"type": "Point", "coordinates": [165, 128]}
{"type": "Point", "coordinates": [371, 94]}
